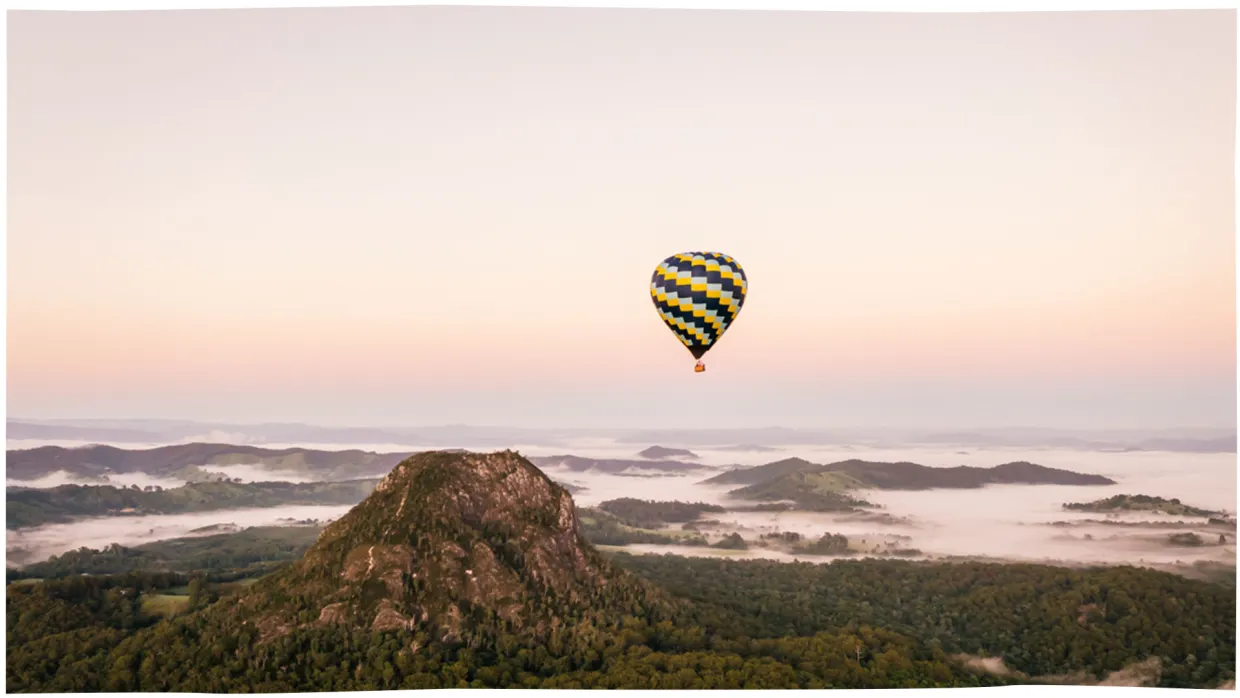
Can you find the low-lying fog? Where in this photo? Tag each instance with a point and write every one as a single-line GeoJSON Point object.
{"type": "Point", "coordinates": [1010, 521]}
{"type": "Point", "coordinates": [28, 545]}
{"type": "Point", "coordinates": [62, 477]}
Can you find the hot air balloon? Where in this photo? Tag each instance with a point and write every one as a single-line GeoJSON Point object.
{"type": "Point", "coordinates": [698, 295]}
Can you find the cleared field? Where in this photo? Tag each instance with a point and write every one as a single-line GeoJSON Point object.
{"type": "Point", "coordinates": [164, 604]}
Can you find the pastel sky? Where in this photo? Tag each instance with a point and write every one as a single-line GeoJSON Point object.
{"type": "Point", "coordinates": [401, 216]}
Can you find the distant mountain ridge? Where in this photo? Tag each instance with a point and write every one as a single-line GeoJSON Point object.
{"type": "Point", "coordinates": [94, 461]}
{"type": "Point", "coordinates": [581, 464]}
{"type": "Point", "coordinates": [663, 453]}
{"type": "Point", "coordinates": [1173, 440]}
{"type": "Point", "coordinates": [913, 476]}
{"type": "Point", "coordinates": [828, 488]}
{"type": "Point", "coordinates": [33, 463]}
{"type": "Point", "coordinates": [858, 474]}
{"type": "Point", "coordinates": [146, 431]}
{"type": "Point", "coordinates": [748, 448]}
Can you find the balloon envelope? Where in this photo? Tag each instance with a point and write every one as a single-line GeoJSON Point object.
{"type": "Point", "coordinates": [698, 295]}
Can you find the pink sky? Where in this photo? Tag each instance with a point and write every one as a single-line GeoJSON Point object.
{"type": "Point", "coordinates": [435, 215]}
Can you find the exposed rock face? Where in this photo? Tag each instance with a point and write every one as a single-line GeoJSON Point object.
{"type": "Point", "coordinates": [445, 538]}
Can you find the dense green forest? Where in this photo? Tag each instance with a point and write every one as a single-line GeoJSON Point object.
{"type": "Point", "coordinates": [91, 634]}
{"type": "Point", "coordinates": [732, 541]}
{"type": "Point", "coordinates": [751, 624]}
{"type": "Point", "coordinates": [34, 507]}
{"type": "Point", "coordinates": [1042, 620]}
{"type": "Point", "coordinates": [604, 528]}
{"type": "Point", "coordinates": [828, 544]}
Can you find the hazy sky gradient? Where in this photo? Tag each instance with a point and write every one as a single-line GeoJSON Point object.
{"type": "Point", "coordinates": [436, 215]}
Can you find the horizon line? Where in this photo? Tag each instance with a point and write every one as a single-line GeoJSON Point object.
{"type": "Point", "coordinates": [885, 427]}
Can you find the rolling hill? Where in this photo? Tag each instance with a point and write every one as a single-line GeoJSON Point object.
{"type": "Point", "coordinates": [825, 487]}
{"type": "Point", "coordinates": [860, 474]}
